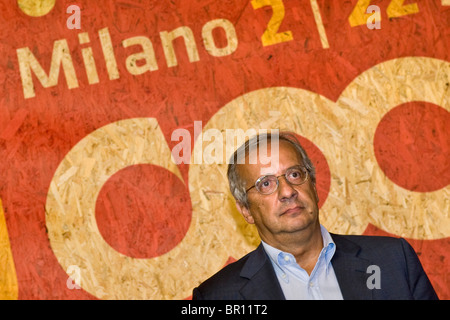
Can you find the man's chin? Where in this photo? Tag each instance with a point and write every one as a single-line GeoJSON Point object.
{"type": "Point", "coordinates": [300, 222]}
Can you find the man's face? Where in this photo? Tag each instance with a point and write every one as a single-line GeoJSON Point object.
{"type": "Point", "coordinates": [291, 208]}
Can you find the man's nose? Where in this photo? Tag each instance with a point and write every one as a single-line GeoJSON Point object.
{"type": "Point", "coordinates": [286, 190]}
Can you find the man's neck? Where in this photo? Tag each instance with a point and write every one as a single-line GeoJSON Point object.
{"type": "Point", "coordinates": [304, 245]}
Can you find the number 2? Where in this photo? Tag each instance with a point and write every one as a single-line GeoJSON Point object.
{"type": "Point", "coordinates": [395, 9]}
{"type": "Point", "coordinates": [271, 35]}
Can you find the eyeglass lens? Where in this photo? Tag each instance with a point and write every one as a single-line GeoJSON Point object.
{"type": "Point", "coordinates": [268, 184]}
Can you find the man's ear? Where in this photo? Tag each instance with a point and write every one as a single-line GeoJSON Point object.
{"type": "Point", "coordinates": [244, 210]}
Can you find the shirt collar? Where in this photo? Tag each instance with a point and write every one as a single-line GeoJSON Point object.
{"type": "Point", "coordinates": [329, 248]}
{"type": "Point", "coordinates": [328, 244]}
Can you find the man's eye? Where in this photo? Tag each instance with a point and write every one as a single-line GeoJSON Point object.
{"type": "Point", "coordinates": [267, 184]}
{"type": "Point", "coordinates": [296, 175]}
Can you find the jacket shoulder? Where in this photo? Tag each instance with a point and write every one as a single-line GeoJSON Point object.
{"type": "Point", "coordinates": [379, 249]}
{"type": "Point", "coordinates": [402, 275]}
{"type": "Point", "coordinates": [224, 284]}
{"type": "Point", "coordinates": [369, 244]}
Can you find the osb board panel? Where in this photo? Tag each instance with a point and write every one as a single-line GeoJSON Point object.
{"type": "Point", "coordinates": [8, 279]}
{"type": "Point", "coordinates": [87, 182]}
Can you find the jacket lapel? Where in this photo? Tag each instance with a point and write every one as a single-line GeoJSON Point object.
{"type": "Point", "coordinates": [350, 269]}
{"type": "Point", "coordinates": [262, 281]}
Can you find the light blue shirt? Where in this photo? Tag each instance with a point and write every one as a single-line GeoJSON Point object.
{"type": "Point", "coordinates": [295, 281]}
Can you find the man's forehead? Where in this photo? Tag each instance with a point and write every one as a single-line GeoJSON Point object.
{"type": "Point", "coordinates": [285, 157]}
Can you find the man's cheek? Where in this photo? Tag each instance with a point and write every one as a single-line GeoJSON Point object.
{"type": "Point", "coordinates": [261, 209]}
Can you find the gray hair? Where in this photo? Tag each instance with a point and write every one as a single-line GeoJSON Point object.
{"type": "Point", "coordinates": [236, 183]}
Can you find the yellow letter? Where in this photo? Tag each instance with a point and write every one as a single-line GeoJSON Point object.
{"type": "Point", "coordinates": [148, 54]}
{"type": "Point", "coordinates": [28, 62]}
{"type": "Point", "coordinates": [88, 58]}
{"type": "Point", "coordinates": [208, 40]}
{"type": "Point", "coordinates": [108, 53]}
{"type": "Point", "coordinates": [189, 41]}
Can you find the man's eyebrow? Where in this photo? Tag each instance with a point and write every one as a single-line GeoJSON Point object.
{"type": "Point", "coordinates": [273, 174]}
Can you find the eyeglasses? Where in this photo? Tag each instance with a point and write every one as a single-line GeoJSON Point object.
{"type": "Point", "coordinates": [269, 184]}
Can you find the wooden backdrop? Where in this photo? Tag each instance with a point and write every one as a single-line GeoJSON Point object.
{"type": "Point", "coordinates": [101, 99]}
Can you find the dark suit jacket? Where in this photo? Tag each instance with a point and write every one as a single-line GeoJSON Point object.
{"type": "Point", "coordinates": [402, 276]}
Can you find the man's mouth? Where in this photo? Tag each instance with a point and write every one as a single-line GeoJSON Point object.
{"type": "Point", "coordinates": [293, 209]}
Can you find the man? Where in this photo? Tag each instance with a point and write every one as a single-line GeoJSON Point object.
{"type": "Point", "coordinates": [298, 258]}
